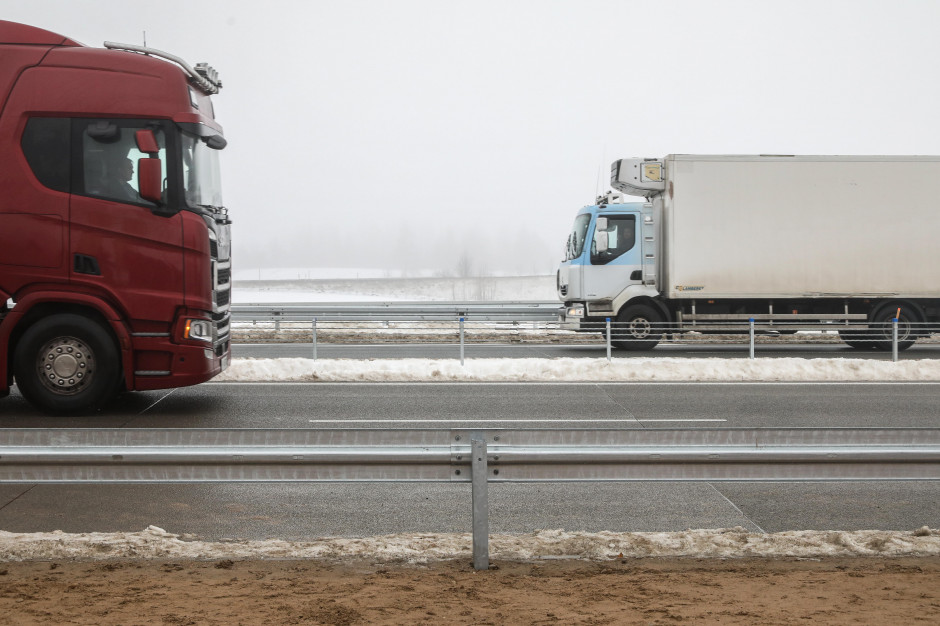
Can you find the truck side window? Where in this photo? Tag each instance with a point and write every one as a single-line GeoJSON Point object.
{"type": "Point", "coordinates": [46, 147]}
{"type": "Point", "coordinates": [109, 159]}
{"type": "Point", "coordinates": [621, 237]}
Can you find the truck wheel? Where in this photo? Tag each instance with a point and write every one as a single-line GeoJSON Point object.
{"type": "Point", "coordinates": [638, 327]}
{"type": "Point", "coordinates": [67, 364]}
{"type": "Point", "coordinates": [882, 328]}
{"type": "Point", "coordinates": [858, 339]}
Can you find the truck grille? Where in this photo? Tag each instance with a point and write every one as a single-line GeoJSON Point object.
{"type": "Point", "coordinates": [222, 322]}
{"type": "Point", "coordinates": [221, 292]}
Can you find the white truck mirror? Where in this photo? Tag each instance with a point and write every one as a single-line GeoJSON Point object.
{"type": "Point", "coordinates": [601, 238]}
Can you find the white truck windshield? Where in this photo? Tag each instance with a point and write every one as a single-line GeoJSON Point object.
{"type": "Point", "coordinates": [575, 245]}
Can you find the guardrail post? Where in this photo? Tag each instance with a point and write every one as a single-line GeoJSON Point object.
{"type": "Point", "coordinates": [461, 342]}
{"type": "Point", "coordinates": [607, 333]}
{"type": "Point", "coordinates": [751, 322]}
{"type": "Point", "coordinates": [479, 502]}
{"type": "Point", "coordinates": [894, 340]}
{"type": "Point", "coordinates": [314, 339]}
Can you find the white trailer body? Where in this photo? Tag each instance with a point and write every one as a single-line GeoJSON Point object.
{"type": "Point", "coordinates": [798, 240]}
{"type": "Point", "coordinates": [773, 227]}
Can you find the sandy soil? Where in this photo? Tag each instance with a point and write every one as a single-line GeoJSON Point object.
{"type": "Point", "coordinates": [621, 591]}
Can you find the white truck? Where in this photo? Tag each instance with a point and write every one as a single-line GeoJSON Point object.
{"type": "Point", "coordinates": [847, 243]}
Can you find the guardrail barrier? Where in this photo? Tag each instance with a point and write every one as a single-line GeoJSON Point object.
{"type": "Point", "coordinates": [477, 322]}
{"type": "Point", "coordinates": [476, 456]}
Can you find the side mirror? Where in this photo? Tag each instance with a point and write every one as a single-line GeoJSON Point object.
{"type": "Point", "coordinates": [149, 172]}
{"type": "Point", "coordinates": [216, 142]}
{"type": "Point", "coordinates": [150, 180]}
{"type": "Point", "coordinates": [601, 237]}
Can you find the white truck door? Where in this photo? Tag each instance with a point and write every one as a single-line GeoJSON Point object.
{"type": "Point", "coordinates": [615, 258]}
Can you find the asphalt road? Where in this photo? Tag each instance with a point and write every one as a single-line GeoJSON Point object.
{"type": "Point", "coordinates": [299, 511]}
{"type": "Point", "coordinates": [549, 351]}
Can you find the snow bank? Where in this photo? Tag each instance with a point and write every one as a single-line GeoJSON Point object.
{"type": "Point", "coordinates": [156, 543]}
{"type": "Point", "coordinates": [635, 369]}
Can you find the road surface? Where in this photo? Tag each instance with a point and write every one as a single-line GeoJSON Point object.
{"type": "Point", "coordinates": [299, 511]}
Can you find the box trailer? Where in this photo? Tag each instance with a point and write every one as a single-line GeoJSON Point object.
{"type": "Point", "coordinates": [788, 241]}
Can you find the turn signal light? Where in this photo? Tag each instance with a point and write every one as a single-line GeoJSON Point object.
{"type": "Point", "coordinates": [199, 330]}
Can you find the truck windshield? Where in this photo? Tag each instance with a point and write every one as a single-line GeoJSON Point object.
{"type": "Point", "coordinates": [201, 175]}
{"type": "Point", "coordinates": [575, 245]}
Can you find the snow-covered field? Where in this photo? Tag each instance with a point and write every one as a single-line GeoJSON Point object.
{"type": "Point", "coordinates": [365, 285]}
{"type": "Point", "coordinates": [357, 285]}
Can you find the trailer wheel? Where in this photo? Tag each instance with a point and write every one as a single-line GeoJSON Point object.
{"type": "Point", "coordinates": [882, 328]}
{"type": "Point", "coordinates": [858, 339]}
{"type": "Point", "coordinates": [638, 327]}
{"type": "Point", "coordinates": [67, 364]}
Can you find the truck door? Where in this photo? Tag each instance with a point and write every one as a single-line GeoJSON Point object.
{"type": "Point", "coordinates": [34, 204]}
{"type": "Point", "coordinates": [120, 243]}
{"type": "Point", "coordinates": [614, 260]}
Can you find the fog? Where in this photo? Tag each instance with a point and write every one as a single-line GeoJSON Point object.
{"type": "Point", "coordinates": [462, 136]}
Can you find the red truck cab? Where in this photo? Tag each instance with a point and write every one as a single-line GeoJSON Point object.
{"type": "Point", "coordinates": [115, 249]}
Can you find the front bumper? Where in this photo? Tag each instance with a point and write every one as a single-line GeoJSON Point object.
{"type": "Point", "coordinates": [162, 364]}
{"type": "Point", "coordinates": [576, 316]}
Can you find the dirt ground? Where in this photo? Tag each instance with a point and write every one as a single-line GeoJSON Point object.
{"type": "Point", "coordinates": [621, 591]}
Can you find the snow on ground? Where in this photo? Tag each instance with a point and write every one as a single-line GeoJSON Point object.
{"type": "Point", "coordinates": [636, 369]}
{"type": "Point", "coordinates": [156, 543]}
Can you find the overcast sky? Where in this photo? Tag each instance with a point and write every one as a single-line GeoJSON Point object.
{"type": "Point", "coordinates": [413, 134]}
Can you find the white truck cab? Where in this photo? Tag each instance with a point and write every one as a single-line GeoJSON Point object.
{"type": "Point", "coordinates": [610, 258]}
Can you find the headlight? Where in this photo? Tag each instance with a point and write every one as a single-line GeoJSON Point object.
{"type": "Point", "coordinates": [575, 311]}
{"type": "Point", "coordinates": [199, 330]}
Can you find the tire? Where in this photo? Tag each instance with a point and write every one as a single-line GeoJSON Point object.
{"type": "Point", "coordinates": [67, 364]}
{"type": "Point", "coordinates": [856, 339]}
{"type": "Point", "coordinates": [638, 327]}
{"type": "Point", "coordinates": [881, 328]}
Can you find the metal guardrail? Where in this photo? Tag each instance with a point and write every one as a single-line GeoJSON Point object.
{"type": "Point", "coordinates": [537, 322]}
{"type": "Point", "coordinates": [477, 456]}
{"type": "Point", "coordinates": [893, 335]}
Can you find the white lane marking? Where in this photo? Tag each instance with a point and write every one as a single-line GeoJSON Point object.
{"type": "Point", "coordinates": [737, 508]}
{"type": "Point", "coordinates": [159, 400]}
{"type": "Point", "coordinates": [505, 421]}
{"type": "Point", "coordinates": [681, 420]}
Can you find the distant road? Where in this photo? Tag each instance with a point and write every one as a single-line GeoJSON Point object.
{"type": "Point", "coordinates": [549, 351]}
